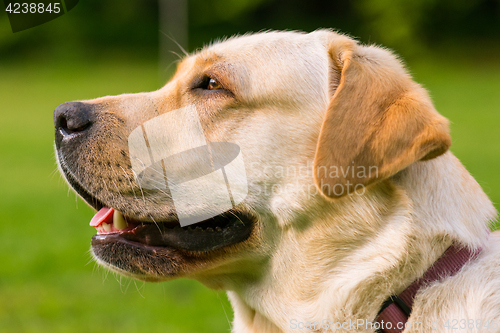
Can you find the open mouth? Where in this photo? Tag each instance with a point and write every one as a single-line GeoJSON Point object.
{"type": "Point", "coordinates": [222, 230]}
{"type": "Point", "coordinates": [112, 226]}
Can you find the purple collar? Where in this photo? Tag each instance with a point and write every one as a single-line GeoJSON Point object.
{"type": "Point", "coordinates": [397, 308]}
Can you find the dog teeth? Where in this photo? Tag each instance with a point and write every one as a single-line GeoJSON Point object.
{"type": "Point", "coordinates": [198, 229]}
{"type": "Point", "coordinates": [106, 227]}
{"type": "Point", "coordinates": [210, 229]}
{"type": "Point", "coordinates": [118, 221]}
{"type": "Point", "coordinates": [218, 229]}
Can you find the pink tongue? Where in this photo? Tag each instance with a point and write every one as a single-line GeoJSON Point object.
{"type": "Point", "coordinates": [104, 215]}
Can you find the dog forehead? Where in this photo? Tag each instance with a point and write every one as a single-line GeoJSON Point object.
{"type": "Point", "coordinates": [277, 63]}
{"type": "Point", "coordinates": [274, 45]}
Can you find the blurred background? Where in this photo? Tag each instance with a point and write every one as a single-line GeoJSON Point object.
{"type": "Point", "coordinates": [48, 282]}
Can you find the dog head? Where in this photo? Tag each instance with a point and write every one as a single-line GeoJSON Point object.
{"type": "Point", "coordinates": [310, 120]}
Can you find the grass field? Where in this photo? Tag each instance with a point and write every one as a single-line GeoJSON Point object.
{"type": "Point", "coordinates": [48, 282]}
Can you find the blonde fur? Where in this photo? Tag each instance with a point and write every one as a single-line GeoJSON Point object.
{"type": "Point", "coordinates": [322, 97]}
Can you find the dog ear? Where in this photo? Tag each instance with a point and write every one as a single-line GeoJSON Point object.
{"type": "Point", "coordinates": [378, 122]}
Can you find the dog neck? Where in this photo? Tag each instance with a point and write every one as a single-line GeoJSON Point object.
{"type": "Point", "coordinates": [342, 266]}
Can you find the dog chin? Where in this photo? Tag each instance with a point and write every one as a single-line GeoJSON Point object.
{"type": "Point", "coordinates": [156, 263]}
{"type": "Point", "coordinates": [138, 262]}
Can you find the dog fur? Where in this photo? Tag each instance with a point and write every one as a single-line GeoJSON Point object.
{"type": "Point", "coordinates": [312, 102]}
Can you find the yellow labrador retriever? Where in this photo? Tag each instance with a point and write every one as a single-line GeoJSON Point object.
{"type": "Point", "coordinates": [349, 196]}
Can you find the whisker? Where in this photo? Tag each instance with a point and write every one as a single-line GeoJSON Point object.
{"type": "Point", "coordinates": [91, 259]}
{"type": "Point", "coordinates": [236, 216]}
{"type": "Point", "coordinates": [178, 45]}
{"type": "Point", "coordinates": [157, 188]}
{"type": "Point", "coordinates": [224, 309]}
{"type": "Point", "coordinates": [140, 186]}
{"type": "Point", "coordinates": [106, 274]}
{"type": "Point", "coordinates": [178, 55]}
{"type": "Point", "coordinates": [138, 289]}
{"type": "Point", "coordinates": [54, 172]}
{"type": "Point", "coordinates": [128, 285]}
{"type": "Point", "coordinates": [157, 225]}
{"type": "Point", "coordinates": [105, 185]}
{"type": "Point", "coordinates": [117, 190]}
{"type": "Point", "coordinates": [171, 64]}
{"type": "Point", "coordinates": [129, 181]}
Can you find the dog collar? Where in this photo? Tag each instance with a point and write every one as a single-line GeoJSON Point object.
{"type": "Point", "coordinates": [397, 308]}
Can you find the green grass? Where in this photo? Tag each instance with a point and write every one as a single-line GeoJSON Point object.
{"type": "Point", "coordinates": [48, 282]}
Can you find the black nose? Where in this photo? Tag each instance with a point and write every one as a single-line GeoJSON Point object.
{"type": "Point", "coordinates": [71, 118]}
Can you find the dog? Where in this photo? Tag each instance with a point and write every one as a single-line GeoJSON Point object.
{"type": "Point", "coordinates": [351, 192]}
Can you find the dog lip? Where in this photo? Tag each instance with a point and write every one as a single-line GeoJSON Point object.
{"type": "Point", "coordinates": [80, 190]}
{"type": "Point", "coordinates": [207, 235]}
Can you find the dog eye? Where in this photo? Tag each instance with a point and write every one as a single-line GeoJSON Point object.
{"type": "Point", "coordinates": [209, 86]}
{"type": "Point", "coordinates": [212, 84]}
{"type": "Point", "coordinates": [208, 83]}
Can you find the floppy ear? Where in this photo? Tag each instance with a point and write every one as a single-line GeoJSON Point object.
{"type": "Point", "coordinates": [378, 122]}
